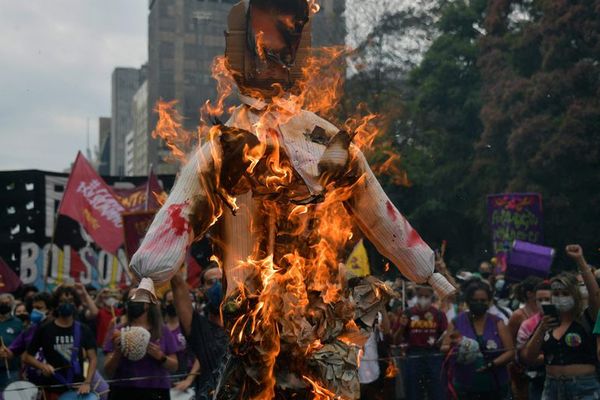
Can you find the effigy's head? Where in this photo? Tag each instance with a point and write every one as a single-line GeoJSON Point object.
{"type": "Point", "coordinates": [267, 42]}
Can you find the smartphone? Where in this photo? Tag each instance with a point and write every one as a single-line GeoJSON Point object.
{"type": "Point", "coordinates": [550, 309]}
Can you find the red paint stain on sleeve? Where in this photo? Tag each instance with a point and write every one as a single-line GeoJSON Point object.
{"type": "Point", "coordinates": [178, 221]}
{"type": "Point", "coordinates": [391, 210]}
{"type": "Point", "coordinates": [414, 239]}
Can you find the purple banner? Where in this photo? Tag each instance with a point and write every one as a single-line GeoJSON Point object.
{"type": "Point", "coordinates": [514, 216]}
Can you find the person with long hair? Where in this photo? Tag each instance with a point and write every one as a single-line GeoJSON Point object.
{"type": "Point", "coordinates": [566, 339]}
{"type": "Point", "coordinates": [148, 377]}
{"type": "Point", "coordinates": [535, 373]}
{"type": "Point", "coordinates": [525, 294]}
{"type": "Point", "coordinates": [486, 377]}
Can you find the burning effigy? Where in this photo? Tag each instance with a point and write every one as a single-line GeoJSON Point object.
{"type": "Point", "coordinates": [282, 193]}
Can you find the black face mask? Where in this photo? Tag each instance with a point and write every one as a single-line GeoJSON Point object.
{"type": "Point", "coordinates": [135, 309]}
{"type": "Point", "coordinates": [5, 309]}
{"type": "Point", "coordinates": [170, 310]}
{"type": "Point", "coordinates": [477, 308]}
{"type": "Point", "coordinates": [66, 309]}
{"type": "Point", "coordinates": [23, 317]}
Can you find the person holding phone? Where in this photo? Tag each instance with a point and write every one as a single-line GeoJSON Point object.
{"type": "Point", "coordinates": [565, 337]}
{"type": "Point", "coordinates": [535, 373]}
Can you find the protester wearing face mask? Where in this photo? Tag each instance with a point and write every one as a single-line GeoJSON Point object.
{"type": "Point", "coordinates": [534, 372]}
{"type": "Point", "coordinates": [525, 294]}
{"type": "Point", "coordinates": [185, 357]}
{"type": "Point", "coordinates": [486, 270]}
{"type": "Point", "coordinates": [204, 334]}
{"type": "Point", "coordinates": [22, 313]}
{"type": "Point", "coordinates": [65, 344]}
{"type": "Point", "coordinates": [10, 328]}
{"type": "Point", "coordinates": [107, 302]}
{"type": "Point", "coordinates": [487, 377]}
{"type": "Point", "coordinates": [39, 306]}
{"type": "Point", "coordinates": [156, 364]}
{"type": "Point", "coordinates": [568, 344]}
{"type": "Point", "coordinates": [422, 329]}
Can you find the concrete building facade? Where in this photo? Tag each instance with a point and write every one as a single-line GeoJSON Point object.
{"type": "Point", "coordinates": [103, 156]}
{"type": "Point", "coordinates": [124, 83]}
{"type": "Point", "coordinates": [129, 151]}
{"type": "Point", "coordinates": [141, 134]}
{"type": "Point", "coordinates": [184, 36]}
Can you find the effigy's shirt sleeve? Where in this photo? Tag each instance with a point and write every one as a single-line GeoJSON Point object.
{"type": "Point", "coordinates": [162, 252]}
{"type": "Point", "coordinates": [390, 232]}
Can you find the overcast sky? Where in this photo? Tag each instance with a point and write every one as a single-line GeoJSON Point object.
{"type": "Point", "coordinates": [56, 59]}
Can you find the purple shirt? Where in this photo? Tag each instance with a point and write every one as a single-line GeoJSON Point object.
{"type": "Point", "coordinates": [185, 358]}
{"type": "Point", "coordinates": [21, 342]}
{"type": "Point", "coordinates": [19, 346]}
{"type": "Point", "coordinates": [158, 376]}
{"type": "Point", "coordinates": [490, 345]}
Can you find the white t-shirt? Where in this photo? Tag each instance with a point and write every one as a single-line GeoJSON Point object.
{"type": "Point", "coordinates": [368, 371]}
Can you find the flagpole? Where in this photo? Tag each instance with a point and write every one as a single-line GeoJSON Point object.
{"type": "Point", "coordinates": [150, 171]}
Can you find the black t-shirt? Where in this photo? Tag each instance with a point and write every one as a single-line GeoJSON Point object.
{"type": "Point", "coordinates": [209, 343]}
{"type": "Point", "coordinates": [57, 345]}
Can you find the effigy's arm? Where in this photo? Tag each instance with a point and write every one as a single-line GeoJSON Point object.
{"type": "Point", "coordinates": [163, 249]}
{"type": "Point", "coordinates": [390, 232]}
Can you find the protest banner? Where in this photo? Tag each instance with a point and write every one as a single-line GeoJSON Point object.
{"type": "Point", "coordinates": [29, 201]}
{"type": "Point", "coordinates": [514, 216]}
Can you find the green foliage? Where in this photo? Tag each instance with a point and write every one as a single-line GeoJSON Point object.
{"type": "Point", "coordinates": [541, 87]}
{"type": "Point", "coordinates": [506, 98]}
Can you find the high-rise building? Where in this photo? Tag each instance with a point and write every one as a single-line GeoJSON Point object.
{"type": "Point", "coordinates": [141, 134]}
{"type": "Point", "coordinates": [125, 82]}
{"type": "Point", "coordinates": [184, 38]}
{"type": "Point", "coordinates": [129, 154]}
{"type": "Point", "coordinates": [329, 24]}
{"type": "Point", "coordinates": [103, 156]}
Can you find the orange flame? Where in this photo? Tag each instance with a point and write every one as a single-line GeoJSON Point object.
{"type": "Point", "coordinates": [391, 371]}
{"type": "Point", "coordinates": [320, 392]}
{"type": "Point", "coordinates": [260, 45]}
{"type": "Point", "coordinates": [170, 129]}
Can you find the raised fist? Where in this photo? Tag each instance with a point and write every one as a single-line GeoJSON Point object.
{"type": "Point", "coordinates": [574, 251]}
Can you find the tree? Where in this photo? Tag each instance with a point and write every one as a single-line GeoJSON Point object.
{"type": "Point", "coordinates": [440, 129]}
{"type": "Point", "coordinates": [541, 112]}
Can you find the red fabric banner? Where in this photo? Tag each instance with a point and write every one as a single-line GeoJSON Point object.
{"type": "Point", "coordinates": [148, 196]}
{"type": "Point", "coordinates": [9, 281]}
{"type": "Point", "coordinates": [135, 225]}
{"type": "Point", "coordinates": [91, 202]}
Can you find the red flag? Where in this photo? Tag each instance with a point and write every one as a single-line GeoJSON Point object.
{"type": "Point", "coordinates": [9, 281]}
{"type": "Point", "coordinates": [91, 202]}
{"type": "Point", "coordinates": [142, 197]}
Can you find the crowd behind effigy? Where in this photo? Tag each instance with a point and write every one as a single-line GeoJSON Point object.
{"type": "Point", "coordinates": [494, 339]}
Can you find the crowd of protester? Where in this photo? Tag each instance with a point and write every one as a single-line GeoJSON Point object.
{"type": "Point", "coordinates": [69, 340]}
{"type": "Point", "coordinates": [494, 339]}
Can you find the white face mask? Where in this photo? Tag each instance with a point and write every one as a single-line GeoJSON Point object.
{"type": "Point", "coordinates": [424, 302]}
{"type": "Point", "coordinates": [110, 302]}
{"type": "Point", "coordinates": [412, 301]}
{"type": "Point", "coordinates": [584, 292]}
{"type": "Point", "coordinates": [563, 303]}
